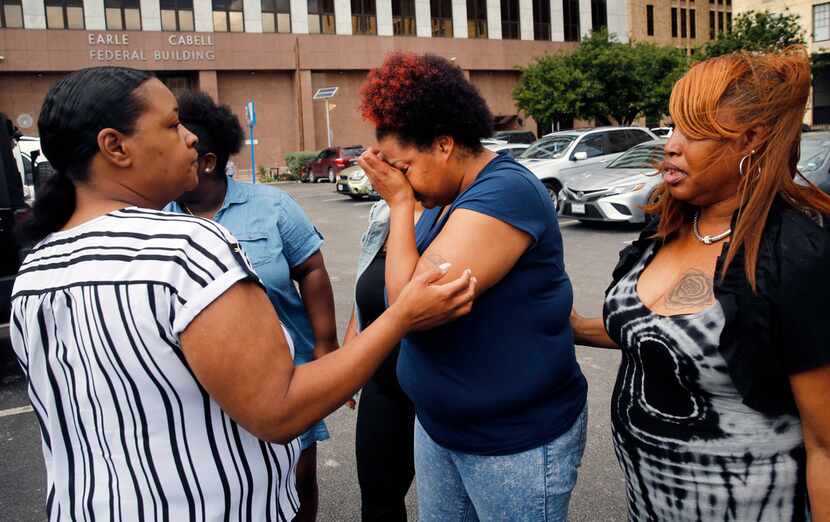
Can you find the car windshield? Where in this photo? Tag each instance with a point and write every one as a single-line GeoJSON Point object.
{"type": "Point", "coordinates": [642, 157]}
{"type": "Point", "coordinates": [548, 148]}
{"type": "Point", "coordinates": [813, 154]}
{"type": "Point", "coordinates": [352, 152]}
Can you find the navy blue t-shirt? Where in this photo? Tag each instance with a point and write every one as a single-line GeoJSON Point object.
{"type": "Point", "coordinates": [503, 379]}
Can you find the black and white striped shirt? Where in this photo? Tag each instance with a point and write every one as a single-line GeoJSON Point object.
{"type": "Point", "coordinates": [128, 432]}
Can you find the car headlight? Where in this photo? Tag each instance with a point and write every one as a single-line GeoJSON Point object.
{"type": "Point", "coordinates": [357, 176]}
{"type": "Point", "coordinates": [623, 189]}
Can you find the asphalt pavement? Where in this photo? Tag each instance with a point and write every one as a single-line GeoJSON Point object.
{"type": "Point", "coordinates": [591, 251]}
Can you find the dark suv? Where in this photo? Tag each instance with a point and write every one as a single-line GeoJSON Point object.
{"type": "Point", "coordinates": [12, 210]}
{"type": "Point", "coordinates": [515, 136]}
{"type": "Point", "coordinates": [330, 162]}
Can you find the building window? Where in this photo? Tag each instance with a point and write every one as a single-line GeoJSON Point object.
{"type": "Point", "coordinates": [403, 17]}
{"type": "Point", "coordinates": [674, 22]}
{"type": "Point", "coordinates": [711, 25]}
{"type": "Point", "coordinates": [510, 19]}
{"type": "Point", "coordinates": [228, 17]}
{"type": "Point", "coordinates": [122, 15]}
{"type": "Point", "coordinates": [720, 22]}
{"type": "Point", "coordinates": [321, 16]}
{"type": "Point", "coordinates": [728, 22]}
{"type": "Point", "coordinates": [477, 18]}
{"type": "Point", "coordinates": [650, 20]}
{"type": "Point", "coordinates": [65, 14]}
{"type": "Point", "coordinates": [692, 23]}
{"type": "Point", "coordinates": [682, 23]}
{"type": "Point", "coordinates": [11, 14]}
{"type": "Point", "coordinates": [276, 16]}
{"type": "Point", "coordinates": [441, 11]}
{"type": "Point", "coordinates": [599, 14]}
{"type": "Point", "coordinates": [541, 20]}
{"type": "Point", "coordinates": [570, 15]}
{"type": "Point", "coordinates": [176, 15]}
{"type": "Point", "coordinates": [364, 17]}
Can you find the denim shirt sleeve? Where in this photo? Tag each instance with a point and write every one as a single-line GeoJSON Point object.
{"type": "Point", "coordinates": [370, 244]}
{"type": "Point", "coordinates": [299, 237]}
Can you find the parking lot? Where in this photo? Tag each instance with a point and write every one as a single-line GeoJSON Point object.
{"type": "Point", "coordinates": [591, 252]}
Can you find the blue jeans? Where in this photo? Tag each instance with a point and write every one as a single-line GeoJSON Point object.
{"type": "Point", "coordinates": [534, 485]}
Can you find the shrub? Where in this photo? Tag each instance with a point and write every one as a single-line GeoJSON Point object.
{"type": "Point", "coordinates": [297, 162]}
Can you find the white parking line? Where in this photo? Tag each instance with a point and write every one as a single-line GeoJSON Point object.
{"type": "Point", "coordinates": [16, 411]}
{"type": "Point", "coordinates": [331, 199]}
{"type": "Point", "coordinates": [364, 204]}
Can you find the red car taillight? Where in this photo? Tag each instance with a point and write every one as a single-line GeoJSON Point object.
{"type": "Point", "coordinates": [341, 162]}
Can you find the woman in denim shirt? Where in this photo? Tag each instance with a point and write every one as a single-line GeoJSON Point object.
{"type": "Point", "coordinates": [281, 244]}
{"type": "Point", "coordinates": [386, 418]}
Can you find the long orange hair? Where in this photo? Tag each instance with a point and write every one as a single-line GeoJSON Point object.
{"type": "Point", "coordinates": [722, 98]}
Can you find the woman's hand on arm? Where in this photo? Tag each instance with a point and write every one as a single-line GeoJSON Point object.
{"type": "Point", "coordinates": [812, 395]}
{"type": "Point", "coordinates": [487, 246]}
{"type": "Point", "coordinates": [590, 331]}
{"type": "Point", "coordinates": [238, 353]}
{"type": "Point", "coordinates": [318, 298]}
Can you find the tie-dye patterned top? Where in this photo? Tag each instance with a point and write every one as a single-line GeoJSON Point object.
{"type": "Point", "coordinates": [690, 449]}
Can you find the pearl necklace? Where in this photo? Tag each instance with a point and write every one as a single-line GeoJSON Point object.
{"type": "Point", "coordinates": [708, 240]}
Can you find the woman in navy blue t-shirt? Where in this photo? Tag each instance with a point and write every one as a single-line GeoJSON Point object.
{"type": "Point", "coordinates": [499, 396]}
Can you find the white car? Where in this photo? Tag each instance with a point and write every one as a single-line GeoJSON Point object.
{"type": "Point", "coordinates": [514, 149]}
{"type": "Point", "coordinates": [558, 156]}
{"type": "Point", "coordinates": [26, 147]}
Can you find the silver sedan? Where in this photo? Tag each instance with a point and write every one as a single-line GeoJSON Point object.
{"type": "Point", "coordinates": [616, 192]}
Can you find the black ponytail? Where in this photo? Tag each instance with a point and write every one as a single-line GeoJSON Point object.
{"type": "Point", "coordinates": [74, 112]}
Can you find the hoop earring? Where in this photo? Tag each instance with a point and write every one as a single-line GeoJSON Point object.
{"type": "Point", "coordinates": [743, 160]}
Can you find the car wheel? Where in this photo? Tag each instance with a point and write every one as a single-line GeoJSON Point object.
{"type": "Point", "coordinates": [553, 193]}
{"type": "Point", "coordinates": [312, 178]}
{"type": "Point", "coordinates": [331, 176]}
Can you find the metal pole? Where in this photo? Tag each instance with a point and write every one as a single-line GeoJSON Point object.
{"type": "Point", "coordinates": [253, 161]}
{"type": "Point", "coordinates": [328, 124]}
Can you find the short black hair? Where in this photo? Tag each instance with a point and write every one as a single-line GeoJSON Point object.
{"type": "Point", "coordinates": [419, 98]}
{"type": "Point", "coordinates": [216, 126]}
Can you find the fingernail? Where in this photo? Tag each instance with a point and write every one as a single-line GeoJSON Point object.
{"type": "Point", "coordinates": [444, 267]}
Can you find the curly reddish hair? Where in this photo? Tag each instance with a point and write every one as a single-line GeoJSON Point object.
{"type": "Point", "coordinates": [419, 98]}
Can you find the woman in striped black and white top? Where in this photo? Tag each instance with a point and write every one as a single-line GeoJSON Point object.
{"type": "Point", "coordinates": [158, 369]}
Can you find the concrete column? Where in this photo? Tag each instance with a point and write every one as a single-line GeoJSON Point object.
{"type": "Point", "coordinates": [34, 14]}
{"type": "Point", "coordinates": [209, 84]}
{"type": "Point", "coordinates": [252, 12]}
{"type": "Point", "coordinates": [585, 17]}
{"type": "Point", "coordinates": [557, 21]}
{"type": "Point", "coordinates": [459, 19]}
{"type": "Point", "coordinates": [494, 19]}
{"type": "Point", "coordinates": [203, 15]}
{"type": "Point", "coordinates": [526, 19]}
{"type": "Point", "coordinates": [343, 16]}
{"type": "Point", "coordinates": [299, 16]}
{"type": "Point", "coordinates": [423, 19]}
{"type": "Point", "coordinates": [384, 13]}
{"type": "Point", "coordinates": [618, 19]}
{"type": "Point", "coordinates": [150, 15]}
{"type": "Point", "coordinates": [305, 123]}
{"type": "Point", "coordinates": [94, 19]}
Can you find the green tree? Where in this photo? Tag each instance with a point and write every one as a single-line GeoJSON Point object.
{"type": "Point", "coordinates": [551, 90]}
{"type": "Point", "coordinates": [759, 31]}
{"type": "Point", "coordinates": [601, 78]}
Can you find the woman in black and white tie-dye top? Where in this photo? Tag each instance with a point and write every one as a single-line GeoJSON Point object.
{"type": "Point", "coordinates": [721, 410]}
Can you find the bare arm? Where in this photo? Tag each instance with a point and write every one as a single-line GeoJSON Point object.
{"type": "Point", "coordinates": [238, 353]}
{"type": "Point", "coordinates": [318, 298]}
{"type": "Point", "coordinates": [590, 331]}
{"type": "Point", "coordinates": [812, 395]}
